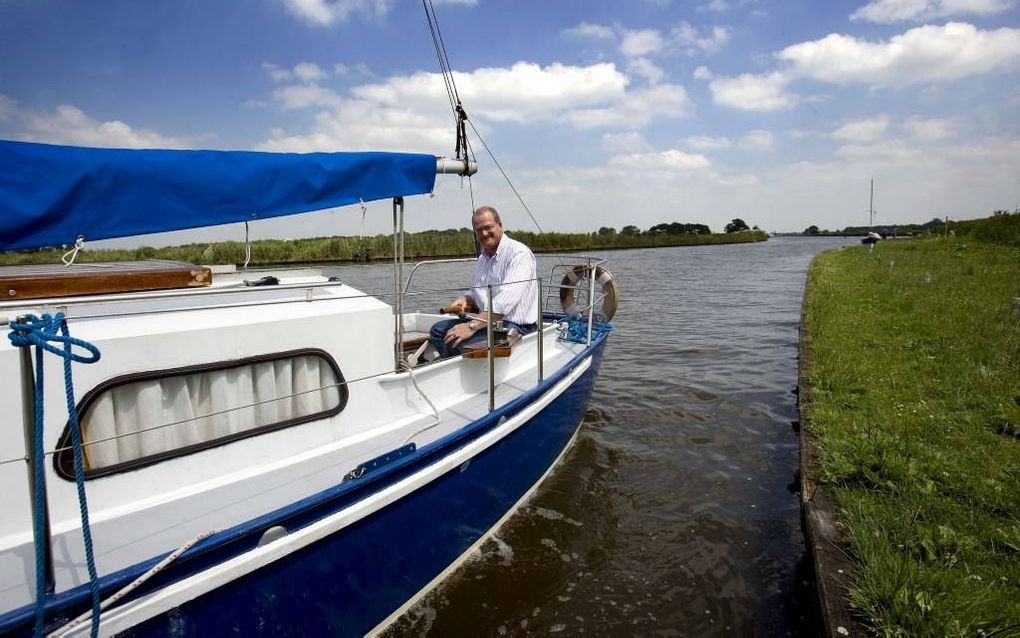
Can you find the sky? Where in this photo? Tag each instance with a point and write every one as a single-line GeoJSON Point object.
{"type": "Point", "coordinates": [601, 113]}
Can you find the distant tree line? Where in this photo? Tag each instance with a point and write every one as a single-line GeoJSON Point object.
{"type": "Point", "coordinates": [674, 228]}
{"type": "Point", "coordinates": [1003, 227]}
{"type": "Point", "coordinates": [898, 230]}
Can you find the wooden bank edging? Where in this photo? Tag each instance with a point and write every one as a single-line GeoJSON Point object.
{"type": "Point", "coordinates": [833, 570]}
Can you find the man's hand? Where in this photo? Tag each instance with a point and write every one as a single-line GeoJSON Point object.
{"type": "Point", "coordinates": [457, 334]}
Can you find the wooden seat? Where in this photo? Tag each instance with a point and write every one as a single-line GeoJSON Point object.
{"type": "Point", "coordinates": [413, 339]}
{"type": "Point", "coordinates": [35, 281]}
{"type": "Point", "coordinates": [481, 351]}
{"type": "Point", "coordinates": [499, 350]}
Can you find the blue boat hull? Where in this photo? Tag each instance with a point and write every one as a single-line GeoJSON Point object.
{"type": "Point", "coordinates": [347, 583]}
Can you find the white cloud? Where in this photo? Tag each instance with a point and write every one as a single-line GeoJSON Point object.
{"type": "Point", "coordinates": [920, 55]}
{"type": "Point", "coordinates": [639, 43]}
{"type": "Point", "coordinates": [646, 69]}
{"type": "Point", "coordinates": [888, 11]}
{"type": "Point", "coordinates": [866, 130]}
{"type": "Point", "coordinates": [718, 6]}
{"type": "Point", "coordinates": [302, 96]}
{"type": "Point", "coordinates": [308, 71]}
{"type": "Point", "coordinates": [70, 125]}
{"type": "Point", "coordinates": [751, 92]}
{"type": "Point", "coordinates": [357, 69]}
{"type": "Point", "coordinates": [626, 142]}
{"type": "Point", "coordinates": [302, 71]}
{"type": "Point", "coordinates": [688, 39]}
{"type": "Point", "coordinates": [668, 160]}
{"type": "Point", "coordinates": [522, 93]}
{"type": "Point", "coordinates": [276, 73]}
{"type": "Point", "coordinates": [364, 125]}
{"type": "Point", "coordinates": [886, 151]}
{"type": "Point", "coordinates": [756, 140]}
{"type": "Point", "coordinates": [637, 108]}
{"type": "Point", "coordinates": [702, 73]}
{"type": "Point", "coordinates": [412, 112]}
{"type": "Point", "coordinates": [928, 130]}
{"type": "Point", "coordinates": [703, 142]}
{"type": "Point", "coordinates": [323, 13]}
{"type": "Point", "coordinates": [589, 30]}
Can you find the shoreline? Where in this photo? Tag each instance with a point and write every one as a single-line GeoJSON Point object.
{"type": "Point", "coordinates": [909, 414]}
{"type": "Point", "coordinates": [822, 536]}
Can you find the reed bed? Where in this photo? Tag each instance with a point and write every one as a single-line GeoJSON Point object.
{"type": "Point", "coordinates": [451, 243]}
{"type": "Point", "coordinates": [1001, 228]}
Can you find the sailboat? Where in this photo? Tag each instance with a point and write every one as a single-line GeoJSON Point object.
{"type": "Point", "coordinates": [872, 237]}
{"type": "Point", "coordinates": [204, 452]}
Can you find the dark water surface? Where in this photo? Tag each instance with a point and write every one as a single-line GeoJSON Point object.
{"type": "Point", "coordinates": [675, 513]}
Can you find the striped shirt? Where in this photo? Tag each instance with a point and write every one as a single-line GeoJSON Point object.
{"type": "Point", "coordinates": [512, 265]}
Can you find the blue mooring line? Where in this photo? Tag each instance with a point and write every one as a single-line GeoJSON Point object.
{"type": "Point", "coordinates": [42, 332]}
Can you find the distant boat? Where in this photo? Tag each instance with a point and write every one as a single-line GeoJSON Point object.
{"type": "Point", "coordinates": [872, 236]}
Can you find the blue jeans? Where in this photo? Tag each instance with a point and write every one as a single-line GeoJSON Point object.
{"type": "Point", "coordinates": [440, 327]}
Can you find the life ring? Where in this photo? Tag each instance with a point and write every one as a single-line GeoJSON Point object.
{"type": "Point", "coordinates": [603, 278]}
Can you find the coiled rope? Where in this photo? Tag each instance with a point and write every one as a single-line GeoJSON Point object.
{"type": "Point", "coordinates": [577, 330]}
{"type": "Point", "coordinates": [43, 332]}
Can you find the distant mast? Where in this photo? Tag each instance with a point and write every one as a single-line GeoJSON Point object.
{"type": "Point", "coordinates": [871, 207]}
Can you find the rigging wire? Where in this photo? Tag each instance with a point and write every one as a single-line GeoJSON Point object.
{"type": "Point", "coordinates": [505, 176]}
{"type": "Point", "coordinates": [444, 60]}
{"type": "Point", "coordinates": [460, 115]}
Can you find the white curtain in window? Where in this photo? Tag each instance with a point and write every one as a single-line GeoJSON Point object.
{"type": "Point", "coordinates": [139, 419]}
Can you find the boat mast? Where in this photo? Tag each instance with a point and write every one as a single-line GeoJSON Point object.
{"type": "Point", "coordinates": [871, 207]}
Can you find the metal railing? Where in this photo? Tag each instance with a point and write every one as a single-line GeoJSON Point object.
{"type": "Point", "coordinates": [590, 267]}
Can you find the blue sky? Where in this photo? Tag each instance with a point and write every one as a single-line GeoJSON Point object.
{"type": "Point", "coordinates": [603, 113]}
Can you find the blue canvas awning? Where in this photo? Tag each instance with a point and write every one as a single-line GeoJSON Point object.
{"type": "Point", "coordinates": [51, 194]}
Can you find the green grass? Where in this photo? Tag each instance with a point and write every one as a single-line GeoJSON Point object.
{"type": "Point", "coordinates": [915, 405]}
{"type": "Point", "coordinates": [451, 243]}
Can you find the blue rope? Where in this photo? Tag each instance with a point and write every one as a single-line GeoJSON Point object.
{"type": "Point", "coordinates": [42, 332]}
{"type": "Point", "coordinates": [577, 330]}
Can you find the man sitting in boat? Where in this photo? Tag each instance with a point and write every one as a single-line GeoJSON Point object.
{"type": "Point", "coordinates": [509, 267]}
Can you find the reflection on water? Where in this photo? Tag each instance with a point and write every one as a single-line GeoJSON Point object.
{"type": "Point", "coordinates": [675, 512]}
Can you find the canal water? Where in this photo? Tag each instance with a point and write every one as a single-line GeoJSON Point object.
{"type": "Point", "coordinates": [676, 512]}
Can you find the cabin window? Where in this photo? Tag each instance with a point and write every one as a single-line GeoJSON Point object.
{"type": "Point", "coordinates": [140, 419]}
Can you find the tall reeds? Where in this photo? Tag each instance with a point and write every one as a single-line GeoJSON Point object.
{"type": "Point", "coordinates": [449, 243]}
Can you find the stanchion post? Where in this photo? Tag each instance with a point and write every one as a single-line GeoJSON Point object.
{"type": "Point", "coordinates": [398, 276]}
{"type": "Point", "coordinates": [541, 332]}
{"type": "Point", "coordinates": [591, 298]}
{"type": "Point", "coordinates": [28, 414]}
{"type": "Point", "coordinates": [490, 339]}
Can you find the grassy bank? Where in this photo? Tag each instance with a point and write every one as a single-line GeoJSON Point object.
{"type": "Point", "coordinates": [450, 243]}
{"type": "Point", "coordinates": [915, 410]}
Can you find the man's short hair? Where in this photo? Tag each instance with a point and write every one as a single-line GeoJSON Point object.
{"type": "Point", "coordinates": [486, 209]}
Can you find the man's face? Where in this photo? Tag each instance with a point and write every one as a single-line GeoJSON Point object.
{"type": "Point", "coordinates": [488, 232]}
